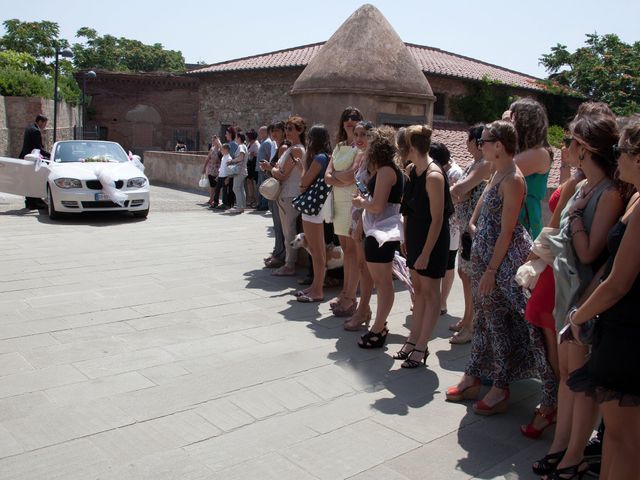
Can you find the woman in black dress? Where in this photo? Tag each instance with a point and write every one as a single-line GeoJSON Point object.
{"type": "Point", "coordinates": [426, 207]}
{"type": "Point", "coordinates": [611, 374]}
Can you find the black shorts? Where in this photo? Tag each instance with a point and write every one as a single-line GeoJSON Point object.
{"type": "Point", "coordinates": [212, 181]}
{"type": "Point", "coordinates": [374, 253]}
{"type": "Point", "coordinates": [451, 262]}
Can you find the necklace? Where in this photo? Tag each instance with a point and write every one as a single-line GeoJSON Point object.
{"type": "Point", "coordinates": [583, 191]}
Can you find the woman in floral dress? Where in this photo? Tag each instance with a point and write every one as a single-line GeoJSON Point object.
{"type": "Point", "coordinates": [502, 348]}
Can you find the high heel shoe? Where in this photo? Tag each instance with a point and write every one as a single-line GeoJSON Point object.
{"type": "Point", "coordinates": [531, 431]}
{"type": "Point", "coordinates": [411, 363]}
{"type": "Point", "coordinates": [454, 394]}
{"type": "Point", "coordinates": [548, 463]}
{"type": "Point", "coordinates": [567, 473]}
{"type": "Point", "coordinates": [354, 323]}
{"type": "Point", "coordinates": [403, 354]}
{"type": "Point", "coordinates": [373, 339]}
{"type": "Point", "coordinates": [481, 408]}
{"type": "Point", "coordinates": [340, 311]}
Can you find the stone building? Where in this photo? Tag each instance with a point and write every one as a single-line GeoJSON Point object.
{"type": "Point", "coordinates": [363, 64]}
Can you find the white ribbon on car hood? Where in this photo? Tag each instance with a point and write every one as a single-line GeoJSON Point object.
{"type": "Point", "coordinates": [107, 177]}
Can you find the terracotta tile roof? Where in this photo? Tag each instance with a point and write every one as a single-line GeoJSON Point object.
{"type": "Point", "coordinates": [432, 61]}
{"type": "Point", "coordinates": [456, 141]}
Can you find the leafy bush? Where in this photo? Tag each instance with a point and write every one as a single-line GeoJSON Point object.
{"type": "Point", "coordinates": [555, 135]}
{"type": "Point", "coordinates": [485, 102]}
{"type": "Point", "coordinates": [15, 82]}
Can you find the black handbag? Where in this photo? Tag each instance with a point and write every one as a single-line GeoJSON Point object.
{"type": "Point", "coordinates": [311, 201]}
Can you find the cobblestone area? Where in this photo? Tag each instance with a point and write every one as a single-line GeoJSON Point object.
{"type": "Point", "coordinates": [159, 349]}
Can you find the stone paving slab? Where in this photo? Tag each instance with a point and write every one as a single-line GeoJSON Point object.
{"type": "Point", "coordinates": [160, 349]}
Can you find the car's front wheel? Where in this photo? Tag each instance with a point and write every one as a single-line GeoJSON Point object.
{"type": "Point", "coordinates": [51, 209]}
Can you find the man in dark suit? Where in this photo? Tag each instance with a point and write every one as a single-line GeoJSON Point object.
{"type": "Point", "coordinates": [33, 140]}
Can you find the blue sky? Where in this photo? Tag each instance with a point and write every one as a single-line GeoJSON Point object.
{"type": "Point", "coordinates": [512, 34]}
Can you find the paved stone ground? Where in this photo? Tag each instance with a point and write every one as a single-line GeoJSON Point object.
{"type": "Point", "coordinates": [160, 349]}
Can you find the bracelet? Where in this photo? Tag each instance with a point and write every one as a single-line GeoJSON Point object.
{"type": "Point", "coordinates": [570, 316]}
{"type": "Point", "coordinates": [490, 269]}
{"type": "Point", "coordinates": [580, 230]}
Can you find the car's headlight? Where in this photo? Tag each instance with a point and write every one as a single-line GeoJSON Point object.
{"type": "Point", "coordinates": [136, 182]}
{"type": "Point", "coordinates": [68, 183]}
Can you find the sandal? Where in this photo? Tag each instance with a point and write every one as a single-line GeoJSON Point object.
{"type": "Point", "coordinates": [531, 431]}
{"type": "Point", "coordinates": [335, 302]}
{"type": "Point", "coordinates": [411, 363]}
{"type": "Point", "coordinates": [309, 299]}
{"type": "Point", "coordinates": [299, 293]}
{"type": "Point", "coordinates": [273, 263]}
{"type": "Point", "coordinates": [372, 339]}
{"type": "Point", "coordinates": [403, 354]}
{"type": "Point", "coordinates": [568, 473]}
{"type": "Point", "coordinates": [456, 327]}
{"type": "Point", "coordinates": [355, 323]}
{"type": "Point", "coordinates": [284, 272]}
{"type": "Point", "coordinates": [461, 337]}
{"type": "Point", "coordinates": [548, 463]}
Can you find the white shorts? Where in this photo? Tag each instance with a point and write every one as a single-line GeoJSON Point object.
{"type": "Point", "coordinates": [313, 218]}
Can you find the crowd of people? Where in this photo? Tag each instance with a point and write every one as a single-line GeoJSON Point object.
{"type": "Point", "coordinates": [395, 197]}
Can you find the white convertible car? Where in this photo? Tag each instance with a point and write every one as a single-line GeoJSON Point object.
{"type": "Point", "coordinates": [81, 176]}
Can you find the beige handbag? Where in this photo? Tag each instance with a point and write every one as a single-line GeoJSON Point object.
{"type": "Point", "coordinates": [270, 188]}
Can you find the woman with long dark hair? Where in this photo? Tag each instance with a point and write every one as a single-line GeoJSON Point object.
{"type": "Point", "coordinates": [314, 166]}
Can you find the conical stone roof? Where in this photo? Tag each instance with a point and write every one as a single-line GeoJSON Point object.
{"type": "Point", "coordinates": [365, 55]}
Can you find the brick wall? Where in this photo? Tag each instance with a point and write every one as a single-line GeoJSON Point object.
{"type": "Point", "coordinates": [18, 112]}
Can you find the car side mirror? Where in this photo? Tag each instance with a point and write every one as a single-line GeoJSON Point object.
{"type": "Point", "coordinates": [32, 157]}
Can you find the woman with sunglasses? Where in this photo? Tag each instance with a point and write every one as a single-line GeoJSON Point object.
{"type": "Point", "coordinates": [288, 171]}
{"type": "Point", "coordinates": [501, 348]}
{"type": "Point", "coordinates": [341, 175]}
{"type": "Point", "coordinates": [611, 374]}
{"type": "Point", "coordinates": [579, 250]}
{"type": "Point", "coordinates": [465, 195]}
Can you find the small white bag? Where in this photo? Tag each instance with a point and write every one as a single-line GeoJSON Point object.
{"type": "Point", "coordinates": [203, 182]}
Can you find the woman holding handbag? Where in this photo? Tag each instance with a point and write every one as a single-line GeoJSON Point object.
{"type": "Point", "coordinates": [312, 184]}
{"type": "Point", "coordinates": [288, 172]}
{"type": "Point", "coordinates": [238, 166]}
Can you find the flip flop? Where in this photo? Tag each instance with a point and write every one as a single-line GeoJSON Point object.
{"type": "Point", "coordinates": [299, 293]}
{"type": "Point", "coordinates": [307, 299]}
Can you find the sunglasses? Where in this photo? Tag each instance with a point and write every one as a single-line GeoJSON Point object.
{"type": "Point", "coordinates": [618, 151]}
{"type": "Point", "coordinates": [353, 117]}
{"type": "Point", "coordinates": [482, 141]}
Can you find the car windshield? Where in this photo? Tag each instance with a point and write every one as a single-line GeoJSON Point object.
{"type": "Point", "coordinates": [87, 151]}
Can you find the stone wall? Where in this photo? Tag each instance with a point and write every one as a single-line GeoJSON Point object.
{"type": "Point", "coordinates": [16, 113]}
{"type": "Point", "coordinates": [248, 99]}
{"type": "Point", "coordinates": [181, 170]}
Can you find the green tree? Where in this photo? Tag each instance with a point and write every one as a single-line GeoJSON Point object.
{"type": "Point", "coordinates": [122, 54]}
{"type": "Point", "coordinates": [605, 69]}
{"type": "Point", "coordinates": [38, 39]}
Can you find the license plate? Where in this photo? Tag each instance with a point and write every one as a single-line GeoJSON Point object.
{"type": "Point", "coordinates": [102, 196]}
